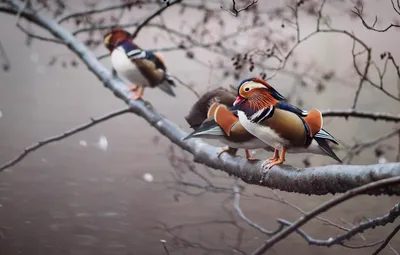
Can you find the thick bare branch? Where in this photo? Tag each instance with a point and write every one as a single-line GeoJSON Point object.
{"type": "Point", "coordinates": [316, 180]}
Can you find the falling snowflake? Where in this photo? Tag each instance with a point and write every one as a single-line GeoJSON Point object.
{"type": "Point", "coordinates": [382, 160]}
{"type": "Point", "coordinates": [163, 241]}
{"type": "Point", "coordinates": [35, 58]}
{"type": "Point", "coordinates": [148, 177]}
{"type": "Point", "coordinates": [83, 143]}
{"type": "Point", "coordinates": [1, 114]}
{"type": "Point", "coordinates": [103, 143]}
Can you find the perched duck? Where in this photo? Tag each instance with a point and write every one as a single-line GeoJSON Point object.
{"type": "Point", "coordinates": [266, 114]}
{"type": "Point", "coordinates": [211, 119]}
{"type": "Point", "coordinates": [142, 68]}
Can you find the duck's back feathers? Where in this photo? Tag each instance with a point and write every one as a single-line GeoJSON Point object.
{"type": "Point", "coordinates": [225, 118]}
{"type": "Point", "coordinates": [198, 112]}
{"type": "Point", "coordinates": [291, 108]}
{"type": "Point", "coordinates": [212, 110]}
{"type": "Point", "coordinates": [314, 121]}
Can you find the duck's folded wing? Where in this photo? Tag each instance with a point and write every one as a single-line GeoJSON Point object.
{"type": "Point", "coordinates": [283, 105]}
{"type": "Point", "coordinates": [147, 55]}
{"type": "Point", "coordinates": [208, 127]}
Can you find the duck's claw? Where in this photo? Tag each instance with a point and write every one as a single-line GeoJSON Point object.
{"type": "Point", "coordinates": [139, 91]}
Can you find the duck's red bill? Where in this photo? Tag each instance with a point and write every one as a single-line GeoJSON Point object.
{"type": "Point", "coordinates": [238, 100]}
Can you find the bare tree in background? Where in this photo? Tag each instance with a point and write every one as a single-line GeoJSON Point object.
{"type": "Point", "coordinates": [275, 34]}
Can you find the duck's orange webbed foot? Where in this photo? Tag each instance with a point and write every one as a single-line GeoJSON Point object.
{"type": "Point", "coordinates": [139, 91]}
{"type": "Point", "coordinates": [248, 155]}
{"type": "Point", "coordinates": [276, 160]}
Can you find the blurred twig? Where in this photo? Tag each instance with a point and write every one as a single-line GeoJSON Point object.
{"type": "Point", "coordinates": [387, 240]}
{"type": "Point", "coordinates": [33, 147]}
{"type": "Point", "coordinates": [235, 12]}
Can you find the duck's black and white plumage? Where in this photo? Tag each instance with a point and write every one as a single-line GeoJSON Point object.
{"type": "Point", "coordinates": [142, 68]}
{"type": "Point", "coordinates": [266, 114]}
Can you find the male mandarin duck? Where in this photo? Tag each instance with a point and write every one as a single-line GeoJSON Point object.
{"type": "Point", "coordinates": [266, 114]}
{"type": "Point", "coordinates": [211, 119]}
{"type": "Point", "coordinates": [142, 68]}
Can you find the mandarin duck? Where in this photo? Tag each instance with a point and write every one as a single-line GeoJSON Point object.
{"type": "Point", "coordinates": [266, 114]}
{"type": "Point", "coordinates": [210, 118]}
{"type": "Point", "coordinates": [141, 68]}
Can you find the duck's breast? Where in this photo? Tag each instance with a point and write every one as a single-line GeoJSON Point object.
{"type": "Point", "coordinates": [126, 69]}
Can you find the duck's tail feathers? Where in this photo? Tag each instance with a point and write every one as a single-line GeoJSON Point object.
{"type": "Point", "coordinates": [324, 146]}
{"type": "Point", "coordinates": [167, 88]}
{"type": "Point", "coordinates": [323, 134]}
{"type": "Point", "coordinates": [168, 78]}
{"type": "Point", "coordinates": [206, 129]}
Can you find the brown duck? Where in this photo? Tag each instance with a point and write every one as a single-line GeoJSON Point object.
{"type": "Point", "coordinates": [211, 119]}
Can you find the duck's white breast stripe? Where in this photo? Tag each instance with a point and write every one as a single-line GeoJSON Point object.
{"type": "Point", "coordinates": [137, 53]}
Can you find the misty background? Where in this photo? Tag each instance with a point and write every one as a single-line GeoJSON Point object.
{"type": "Point", "coordinates": [76, 197]}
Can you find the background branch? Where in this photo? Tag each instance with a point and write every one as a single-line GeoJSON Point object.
{"type": "Point", "coordinates": [33, 147]}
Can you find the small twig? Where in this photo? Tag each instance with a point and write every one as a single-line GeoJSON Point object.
{"type": "Point", "coordinates": [364, 75]}
{"type": "Point", "coordinates": [280, 199]}
{"type": "Point", "coordinates": [3, 54]}
{"type": "Point", "coordinates": [358, 148]}
{"type": "Point", "coordinates": [33, 147]}
{"type": "Point", "coordinates": [29, 33]}
{"type": "Point", "coordinates": [165, 246]}
{"type": "Point", "coordinates": [329, 242]}
{"type": "Point", "coordinates": [243, 217]}
{"type": "Point", "coordinates": [324, 207]}
{"type": "Point", "coordinates": [152, 16]}
{"type": "Point", "coordinates": [189, 87]}
{"type": "Point", "coordinates": [235, 12]}
{"type": "Point", "coordinates": [393, 250]}
{"type": "Point", "coordinates": [84, 13]}
{"type": "Point", "coordinates": [358, 12]}
{"type": "Point", "coordinates": [387, 240]}
{"type": "Point", "coordinates": [361, 114]}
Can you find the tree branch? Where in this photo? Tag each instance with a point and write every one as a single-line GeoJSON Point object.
{"type": "Point", "coordinates": [33, 147]}
{"type": "Point", "coordinates": [358, 12]}
{"type": "Point", "coordinates": [326, 206]}
{"type": "Point", "coordinates": [362, 115]}
{"type": "Point", "coordinates": [387, 240]}
{"type": "Point", "coordinates": [235, 12]}
{"type": "Point", "coordinates": [148, 19]}
{"type": "Point", "coordinates": [94, 11]}
{"type": "Point", "coordinates": [313, 180]}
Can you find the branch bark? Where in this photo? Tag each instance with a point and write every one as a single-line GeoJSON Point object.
{"type": "Point", "coordinates": [315, 180]}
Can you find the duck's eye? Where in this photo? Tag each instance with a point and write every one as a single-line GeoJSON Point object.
{"type": "Point", "coordinates": [247, 89]}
